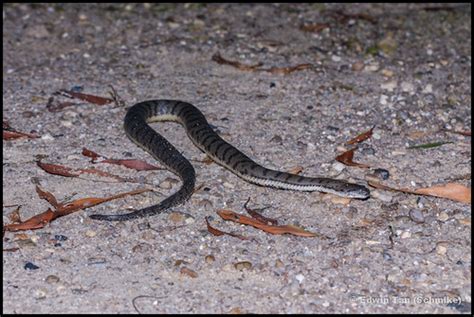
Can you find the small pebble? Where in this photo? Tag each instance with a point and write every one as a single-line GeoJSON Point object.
{"type": "Point", "coordinates": [387, 72]}
{"type": "Point", "coordinates": [407, 87]}
{"type": "Point", "coordinates": [51, 279]}
{"type": "Point", "coordinates": [243, 265]}
{"type": "Point", "coordinates": [30, 266]}
{"type": "Point", "coordinates": [428, 89]}
{"type": "Point", "coordinates": [47, 137]}
{"type": "Point", "coordinates": [387, 256]}
{"type": "Point", "coordinates": [176, 217]}
{"type": "Point", "coordinates": [372, 242]}
{"type": "Point", "coordinates": [441, 249]}
{"type": "Point", "coordinates": [383, 100]}
{"type": "Point", "coordinates": [405, 235]}
{"type": "Point", "coordinates": [443, 216]}
{"type": "Point", "coordinates": [299, 278]}
{"type": "Point", "coordinates": [382, 173]}
{"type": "Point", "coordinates": [389, 85]}
{"type": "Point", "coordinates": [373, 67]}
{"type": "Point", "coordinates": [96, 261]}
{"type": "Point", "coordinates": [205, 203]}
{"type": "Point", "coordinates": [338, 167]}
{"type": "Point", "coordinates": [279, 263]}
{"type": "Point", "coordinates": [40, 294]}
{"type": "Point", "coordinates": [417, 216]}
{"type": "Point", "coordinates": [358, 66]}
{"type": "Point", "coordinates": [383, 196]}
{"type": "Point", "coordinates": [229, 185]}
{"type": "Point", "coordinates": [185, 271]}
{"type": "Point", "coordinates": [60, 237]}
{"type": "Point", "coordinates": [90, 233]}
{"type": "Point", "coordinates": [210, 259]}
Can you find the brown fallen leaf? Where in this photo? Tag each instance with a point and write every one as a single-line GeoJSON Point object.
{"type": "Point", "coordinates": [453, 191]}
{"type": "Point", "coordinates": [286, 70]}
{"type": "Point", "coordinates": [85, 97]}
{"type": "Point", "coordinates": [316, 27]}
{"type": "Point", "coordinates": [35, 222]}
{"type": "Point", "coordinates": [10, 134]}
{"type": "Point", "coordinates": [40, 220]}
{"type": "Point", "coordinates": [11, 249]}
{"type": "Point", "coordinates": [232, 216]}
{"type": "Point", "coordinates": [70, 172]}
{"type": "Point", "coordinates": [91, 154]}
{"type": "Point", "coordinates": [218, 232]}
{"type": "Point", "coordinates": [361, 137]}
{"type": "Point", "coordinates": [54, 105]}
{"type": "Point", "coordinates": [347, 159]}
{"type": "Point", "coordinates": [258, 67]}
{"type": "Point", "coordinates": [220, 60]}
{"type": "Point", "coordinates": [465, 132]}
{"type": "Point", "coordinates": [57, 169]}
{"type": "Point", "coordinates": [47, 196]}
{"type": "Point", "coordinates": [258, 216]}
{"type": "Point", "coordinates": [135, 164]}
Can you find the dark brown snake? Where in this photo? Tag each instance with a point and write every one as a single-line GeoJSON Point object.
{"type": "Point", "coordinates": [203, 136]}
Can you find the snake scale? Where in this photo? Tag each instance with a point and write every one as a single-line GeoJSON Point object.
{"type": "Point", "coordinates": [203, 136]}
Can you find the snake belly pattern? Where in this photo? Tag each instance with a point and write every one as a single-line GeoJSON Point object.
{"type": "Point", "coordinates": [203, 136]}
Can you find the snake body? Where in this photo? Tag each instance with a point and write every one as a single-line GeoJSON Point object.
{"type": "Point", "coordinates": [203, 136]}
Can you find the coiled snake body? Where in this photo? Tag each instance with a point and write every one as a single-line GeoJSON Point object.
{"type": "Point", "coordinates": [202, 135]}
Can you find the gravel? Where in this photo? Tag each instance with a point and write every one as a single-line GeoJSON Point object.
{"type": "Point", "coordinates": [403, 68]}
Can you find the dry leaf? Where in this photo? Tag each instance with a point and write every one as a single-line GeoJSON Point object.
{"type": "Point", "coordinates": [286, 70]}
{"type": "Point", "coordinates": [89, 98]}
{"type": "Point", "coordinates": [40, 220]}
{"type": "Point", "coordinates": [257, 67]}
{"type": "Point", "coordinates": [258, 216]}
{"type": "Point", "coordinates": [451, 191]}
{"type": "Point", "coordinates": [232, 216]}
{"type": "Point", "coordinates": [47, 196]}
{"type": "Point", "coordinates": [9, 133]}
{"type": "Point", "coordinates": [218, 232]}
{"type": "Point", "coordinates": [346, 158]}
{"type": "Point", "coordinates": [70, 172]}
{"type": "Point", "coordinates": [220, 60]}
{"type": "Point", "coordinates": [361, 137]}
{"type": "Point", "coordinates": [465, 133]}
{"type": "Point", "coordinates": [57, 169]}
{"type": "Point", "coordinates": [138, 165]}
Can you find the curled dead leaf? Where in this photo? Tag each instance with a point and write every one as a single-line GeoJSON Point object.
{"type": "Point", "coordinates": [347, 159]}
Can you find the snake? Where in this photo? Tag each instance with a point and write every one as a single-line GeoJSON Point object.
{"type": "Point", "coordinates": [203, 136]}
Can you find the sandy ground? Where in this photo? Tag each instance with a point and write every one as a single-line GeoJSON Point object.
{"type": "Point", "coordinates": [405, 69]}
